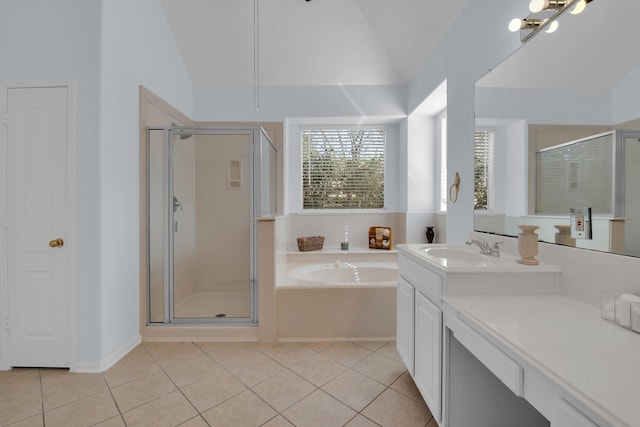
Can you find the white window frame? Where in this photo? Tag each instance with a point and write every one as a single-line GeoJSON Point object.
{"type": "Point", "coordinates": [441, 140]}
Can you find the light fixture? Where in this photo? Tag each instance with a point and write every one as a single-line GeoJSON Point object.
{"type": "Point", "coordinates": [543, 16]}
{"type": "Point", "coordinates": [580, 5]}
{"type": "Point", "coordinates": [523, 24]}
{"type": "Point", "coordinates": [539, 5]}
{"type": "Point", "coordinates": [553, 26]}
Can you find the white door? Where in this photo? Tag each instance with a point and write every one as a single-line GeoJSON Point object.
{"type": "Point", "coordinates": [37, 226]}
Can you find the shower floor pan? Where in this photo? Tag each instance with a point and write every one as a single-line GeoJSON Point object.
{"type": "Point", "coordinates": [213, 304]}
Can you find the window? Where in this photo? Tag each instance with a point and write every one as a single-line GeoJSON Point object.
{"type": "Point", "coordinates": [442, 123]}
{"type": "Point", "coordinates": [483, 169]}
{"type": "Point", "coordinates": [343, 168]}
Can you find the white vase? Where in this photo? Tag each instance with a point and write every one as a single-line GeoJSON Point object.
{"type": "Point", "coordinates": [528, 245]}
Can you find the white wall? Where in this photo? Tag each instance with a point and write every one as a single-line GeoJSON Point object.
{"type": "Point", "coordinates": [625, 97]}
{"type": "Point", "coordinates": [236, 103]}
{"type": "Point", "coordinates": [515, 178]}
{"type": "Point", "coordinates": [109, 48]}
{"type": "Point", "coordinates": [477, 41]}
{"type": "Point", "coordinates": [44, 39]}
{"type": "Point", "coordinates": [137, 48]}
{"type": "Point", "coordinates": [545, 106]}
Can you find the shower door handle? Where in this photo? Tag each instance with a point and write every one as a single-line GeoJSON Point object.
{"type": "Point", "coordinates": [176, 204]}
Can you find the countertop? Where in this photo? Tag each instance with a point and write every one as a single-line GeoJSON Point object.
{"type": "Point", "coordinates": [489, 265]}
{"type": "Point", "coordinates": [595, 361]}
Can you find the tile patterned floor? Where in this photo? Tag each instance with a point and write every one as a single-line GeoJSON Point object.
{"type": "Point", "coordinates": [354, 384]}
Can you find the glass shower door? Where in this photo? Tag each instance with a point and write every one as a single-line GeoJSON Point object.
{"type": "Point", "coordinates": [204, 188]}
{"type": "Point", "coordinates": [212, 226]}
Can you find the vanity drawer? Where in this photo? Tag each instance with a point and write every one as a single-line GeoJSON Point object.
{"type": "Point", "coordinates": [425, 281]}
{"type": "Point", "coordinates": [502, 366]}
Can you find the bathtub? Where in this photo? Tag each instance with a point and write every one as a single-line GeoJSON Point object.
{"type": "Point", "coordinates": [337, 297]}
{"type": "Point", "coordinates": [340, 274]}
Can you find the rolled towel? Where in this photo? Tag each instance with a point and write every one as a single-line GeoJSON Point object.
{"type": "Point", "coordinates": [623, 309]}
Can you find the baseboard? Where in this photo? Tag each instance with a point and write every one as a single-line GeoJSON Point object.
{"type": "Point", "coordinates": [179, 333]}
{"type": "Point", "coordinates": [105, 363]}
{"type": "Point", "coordinates": [334, 339]}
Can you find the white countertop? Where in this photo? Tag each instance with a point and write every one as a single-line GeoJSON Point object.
{"type": "Point", "coordinates": [594, 360]}
{"type": "Point", "coordinates": [489, 264]}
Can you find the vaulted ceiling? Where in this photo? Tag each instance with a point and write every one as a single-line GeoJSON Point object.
{"type": "Point", "coordinates": [317, 42]}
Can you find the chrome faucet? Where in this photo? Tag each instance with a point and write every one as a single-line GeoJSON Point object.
{"type": "Point", "coordinates": [485, 248]}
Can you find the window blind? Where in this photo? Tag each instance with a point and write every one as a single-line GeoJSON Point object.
{"type": "Point", "coordinates": [343, 168]}
{"type": "Point", "coordinates": [483, 169]}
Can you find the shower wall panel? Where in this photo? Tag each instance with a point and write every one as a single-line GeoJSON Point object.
{"type": "Point", "coordinates": [223, 215]}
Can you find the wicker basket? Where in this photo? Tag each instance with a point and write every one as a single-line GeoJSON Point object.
{"type": "Point", "coordinates": [311, 243]}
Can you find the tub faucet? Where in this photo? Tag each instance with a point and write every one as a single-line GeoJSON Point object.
{"type": "Point", "coordinates": [485, 248]}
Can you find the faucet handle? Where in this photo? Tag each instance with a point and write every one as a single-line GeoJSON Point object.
{"type": "Point", "coordinates": [495, 250]}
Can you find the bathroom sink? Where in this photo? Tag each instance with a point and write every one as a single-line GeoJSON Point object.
{"type": "Point", "coordinates": [455, 254]}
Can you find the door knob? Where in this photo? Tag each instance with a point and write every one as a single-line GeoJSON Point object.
{"type": "Point", "coordinates": [56, 243]}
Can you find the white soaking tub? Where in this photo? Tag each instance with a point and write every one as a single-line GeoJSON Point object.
{"type": "Point", "coordinates": [334, 296]}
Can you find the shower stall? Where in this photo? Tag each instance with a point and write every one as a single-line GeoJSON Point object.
{"type": "Point", "coordinates": [205, 188]}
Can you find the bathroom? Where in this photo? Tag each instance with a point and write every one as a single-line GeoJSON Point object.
{"type": "Point", "coordinates": [96, 38]}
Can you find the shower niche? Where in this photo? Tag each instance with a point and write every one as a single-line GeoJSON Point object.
{"type": "Point", "coordinates": [205, 188]}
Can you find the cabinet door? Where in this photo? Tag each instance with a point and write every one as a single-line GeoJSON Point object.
{"type": "Point", "coordinates": [428, 352]}
{"type": "Point", "coordinates": [404, 323]}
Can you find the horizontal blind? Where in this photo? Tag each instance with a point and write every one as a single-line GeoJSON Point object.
{"type": "Point", "coordinates": [343, 168]}
{"type": "Point", "coordinates": [483, 169]}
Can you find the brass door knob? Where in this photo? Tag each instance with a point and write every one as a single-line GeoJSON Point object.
{"type": "Point", "coordinates": [56, 243]}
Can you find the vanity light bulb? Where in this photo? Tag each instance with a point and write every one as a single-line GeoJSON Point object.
{"type": "Point", "coordinates": [580, 5]}
{"type": "Point", "coordinates": [552, 27]}
{"type": "Point", "coordinates": [538, 5]}
{"type": "Point", "coordinates": [515, 25]}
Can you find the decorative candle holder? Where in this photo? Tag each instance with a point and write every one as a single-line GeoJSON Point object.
{"type": "Point", "coordinates": [528, 245]}
{"type": "Point", "coordinates": [563, 236]}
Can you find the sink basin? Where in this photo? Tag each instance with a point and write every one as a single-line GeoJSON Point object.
{"type": "Point", "coordinates": [455, 254]}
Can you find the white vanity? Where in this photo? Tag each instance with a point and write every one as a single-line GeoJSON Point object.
{"type": "Point", "coordinates": [490, 342]}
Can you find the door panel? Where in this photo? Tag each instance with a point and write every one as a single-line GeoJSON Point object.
{"type": "Point", "coordinates": [37, 204]}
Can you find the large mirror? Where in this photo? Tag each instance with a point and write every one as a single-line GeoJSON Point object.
{"type": "Point", "coordinates": [558, 89]}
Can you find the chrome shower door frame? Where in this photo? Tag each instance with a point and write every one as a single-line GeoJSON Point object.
{"type": "Point", "coordinates": [256, 136]}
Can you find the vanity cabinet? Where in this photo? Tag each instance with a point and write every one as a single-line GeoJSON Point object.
{"type": "Point", "coordinates": [419, 335]}
{"type": "Point", "coordinates": [429, 275]}
{"type": "Point", "coordinates": [405, 323]}
{"type": "Point", "coordinates": [428, 353]}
